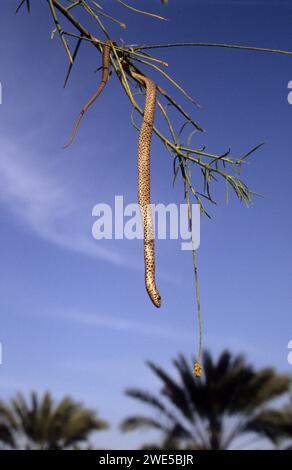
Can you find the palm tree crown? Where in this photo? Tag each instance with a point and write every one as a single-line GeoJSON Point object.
{"type": "Point", "coordinates": [210, 412]}
{"type": "Point", "coordinates": [41, 424]}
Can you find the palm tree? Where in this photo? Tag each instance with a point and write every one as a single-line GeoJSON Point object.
{"type": "Point", "coordinates": [212, 411]}
{"type": "Point", "coordinates": [41, 424]}
{"type": "Point", "coordinates": [6, 438]}
{"type": "Point", "coordinates": [277, 423]}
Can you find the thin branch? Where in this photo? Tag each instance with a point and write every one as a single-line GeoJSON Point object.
{"type": "Point", "coordinates": [76, 23]}
{"type": "Point", "coordinates": [212, 44]}
{"type": "Point", "coordinates": [171, 80]}
{"type": "Point", "coordinates": [60, 31]}
{"type": "Point", "coordinates": [73, 57]}
{"type": "Point", "coordinates": [153, 15]}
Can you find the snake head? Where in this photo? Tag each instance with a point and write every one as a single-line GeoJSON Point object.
{"type": "Point", "coordinates": [154, 295]}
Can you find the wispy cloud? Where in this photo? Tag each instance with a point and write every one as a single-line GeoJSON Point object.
{"type": "Point", "coordinates": [102, 321]}
{"type": "Point", "coordinates": [45, 204]}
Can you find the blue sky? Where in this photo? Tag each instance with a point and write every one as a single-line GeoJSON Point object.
{"type": "Point", "coordinates": [75, 315]}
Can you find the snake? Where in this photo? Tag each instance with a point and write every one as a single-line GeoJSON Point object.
{"type": "Point", "coordinates": [144, 148]}
{"type": "Point", "coordinates": [104, 79]}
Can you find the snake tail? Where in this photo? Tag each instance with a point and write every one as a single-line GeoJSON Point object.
{"type": "Point", "coordinates": [104, 79]}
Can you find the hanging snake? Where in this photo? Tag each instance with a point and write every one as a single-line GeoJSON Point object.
{"type": "Point", "coordinates": [143, 166]}
{"type": "Point", "coordinates": [104, 79]}
{"type": "Point", "coordinates": [144, 186]}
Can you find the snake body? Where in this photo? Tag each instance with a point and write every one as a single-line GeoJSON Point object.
{"type": "Point", "coordinates": [144, 186]}
{"type": "Point", "coordinates": [104, 79]}
{"type": "Point", "coordinates": [144, 147]}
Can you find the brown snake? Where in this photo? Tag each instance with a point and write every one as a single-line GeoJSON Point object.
{"type": "Point", "coordinates": [104, 79]}
{"type": "Point", "coordinates": [144, 186]}
{"type": "Point", "coordinates": [143, 167]}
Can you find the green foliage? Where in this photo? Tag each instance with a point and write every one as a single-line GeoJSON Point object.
{"type": "Point", "coordinates": [42, 424]}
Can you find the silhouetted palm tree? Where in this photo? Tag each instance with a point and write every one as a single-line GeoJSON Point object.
{"type": "Point", "coordinates": [276, 424]}
{"type": "Point", "coordinates": [210, 412]}
{"type": "Point", "coordinates": [42, 424]}
{"type": "Point", "coordinates": [6, 438]}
